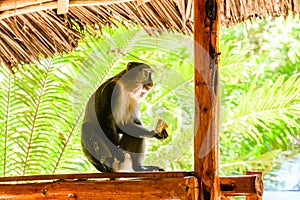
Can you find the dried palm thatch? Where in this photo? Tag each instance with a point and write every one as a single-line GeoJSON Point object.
{"type": "Point", "coordinates": [234, 11]}
{"type": "Point", "coordinates": [33, 28]}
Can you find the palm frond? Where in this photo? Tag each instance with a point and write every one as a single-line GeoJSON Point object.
{"type": "Point", "coordinates": [7, 112]}
{"type": "Point", "coordinates": [43, 104]}
{"type": "Point", "coordinates": [258, 108]}
{"type": "Point", "coordinates": [233, 63]}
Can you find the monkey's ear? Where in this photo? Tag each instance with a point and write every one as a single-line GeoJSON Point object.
{"type": "Point", "coordinates": [129, 66]}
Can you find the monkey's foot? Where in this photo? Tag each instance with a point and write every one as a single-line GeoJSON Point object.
{"type": "Point", "coordinates": [151, 169]}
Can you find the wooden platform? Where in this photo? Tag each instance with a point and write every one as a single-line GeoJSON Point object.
{"type": "Point", "coordinates": [143, 185]}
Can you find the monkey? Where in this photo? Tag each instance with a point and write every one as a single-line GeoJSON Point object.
{"type": "Point", "coordinates": [112, 136]}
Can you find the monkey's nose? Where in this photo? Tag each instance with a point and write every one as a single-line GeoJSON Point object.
{"type": "Point", "coordinates": [149, 85]}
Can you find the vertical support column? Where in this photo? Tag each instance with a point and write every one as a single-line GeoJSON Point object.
{"type": "Point", "coordinates": [206, 148]}
{"type": "Point", "coordinates": [254, 197]}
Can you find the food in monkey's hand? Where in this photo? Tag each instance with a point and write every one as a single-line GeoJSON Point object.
{"type": "Point", "coordinates": [161, 129]}
{"type": "Point", "coordinates": [161, 124]}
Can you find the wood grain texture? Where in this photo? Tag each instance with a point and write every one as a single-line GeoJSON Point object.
{"type": "Point", "coordinates": [107, 175]}
{"type": "Point", "coordinates": [259, 186]}
{"type": "Point", "coordinates": [246, 185]}
{"type": "Point", "coordinates": [206, 150]}
{"type": "Point", "coordinates": [165, 184]}
{"type": "Point", "coordinates": [150, 188]}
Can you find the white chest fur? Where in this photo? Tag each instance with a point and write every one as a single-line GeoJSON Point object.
{"type": "Point", "coordinates": [126, 107]}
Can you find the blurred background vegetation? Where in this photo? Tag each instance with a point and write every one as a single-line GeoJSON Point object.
{"type": "Point", "coordinates": [42, 104]}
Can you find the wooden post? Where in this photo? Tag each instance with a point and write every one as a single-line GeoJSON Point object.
{"type": "Point", "coordinates": [206, 150]}
{"type": "Point", "coordinates": [246, 185]}
{"type": "Point", "coordinates": [257, 197]}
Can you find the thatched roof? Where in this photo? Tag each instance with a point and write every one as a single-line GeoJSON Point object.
{"type": "Point", "coordinates": [31, 28]}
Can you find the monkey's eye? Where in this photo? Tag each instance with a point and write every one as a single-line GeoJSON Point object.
{"type": "Point", "coordinates": [149, 77]}
{"type": "Point", "coordinates": [148, 74]}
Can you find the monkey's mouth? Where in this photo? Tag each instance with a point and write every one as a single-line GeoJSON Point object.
{"type": "Point", "coordinates": [148, 86]}
{"type": "Point", "coordinates": [145, 89]}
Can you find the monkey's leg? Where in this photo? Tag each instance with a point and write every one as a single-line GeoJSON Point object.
{"type": "Point", "coordinates": [136, 148]}
{"type": "Point", "coordinates": [99, 150]}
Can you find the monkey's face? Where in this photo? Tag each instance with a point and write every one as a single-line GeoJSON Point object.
{"type": "Point", "coordinates": [147, 83]}
{"type": "Point", "coordinates": [138, 81]}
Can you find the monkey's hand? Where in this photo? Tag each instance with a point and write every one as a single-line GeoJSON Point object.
{"type": "Point", "coordinates": [161, 136]}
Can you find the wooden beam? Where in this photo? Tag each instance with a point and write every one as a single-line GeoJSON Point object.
{"type": "Point", "coordinates": [62, 6]}
{"type": "Point", "coordinates": [206, 149]}
{"type": "Point", "coordinates": [15, 4]}
{"type": "Point", "coordinates": [151, 188]}
{"type": "Point", "coordinates": [247, 185]}
{"type": "Point", "coordinates": [10, 9]}
{"type": "Point", "coordinates": [257, 197]}
{"type": "Point", "coordinates": [111, 175]}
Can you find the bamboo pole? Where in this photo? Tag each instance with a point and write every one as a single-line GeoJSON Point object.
{"type": "Point", "coordinates": [206, 150]}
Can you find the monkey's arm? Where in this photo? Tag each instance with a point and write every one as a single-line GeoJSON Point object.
{"type": "Point", "coordinates": [138, 131]}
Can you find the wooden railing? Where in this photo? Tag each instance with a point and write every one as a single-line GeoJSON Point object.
{"type": "Point", "coordinates": [143, 185]}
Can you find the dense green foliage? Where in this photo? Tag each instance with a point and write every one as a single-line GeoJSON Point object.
{"type": "Point", "coordinates": [262, 100]}
{"type": "Point", "coordinates": [43, 103]}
